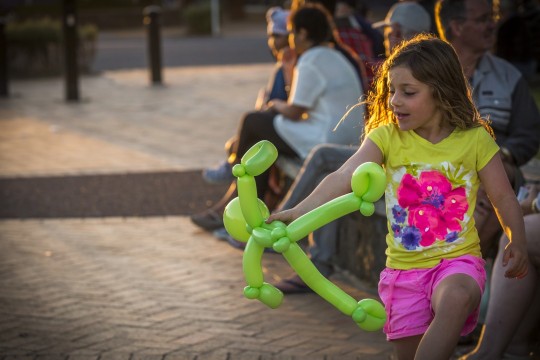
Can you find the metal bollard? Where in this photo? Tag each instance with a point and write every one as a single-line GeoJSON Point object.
{"type": "Point", "coordinates": [151, 21]}
{"type": "Point", "coordinates": [69, 26]}
{"type": "Point", "coordinates": [4, 88]}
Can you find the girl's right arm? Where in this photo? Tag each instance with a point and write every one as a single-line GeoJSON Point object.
{"type": "Point", "coordinates": [334, 185]}
{"type": "Point", "coordinates": [508, 210]}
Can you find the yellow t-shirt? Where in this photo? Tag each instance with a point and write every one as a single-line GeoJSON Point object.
{"type": "Point", "coordinates": [431, 193]}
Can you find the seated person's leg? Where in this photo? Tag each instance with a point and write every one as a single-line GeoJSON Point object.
{"type": "Point", "coordinates": [511, 302]}
{"type": "Point", "coordinates": [520, 346]}
{"type": "Point", "coordinates": [322, 247]}
{"type": "Point", "coordinates": [323, 160]}
{"type": "Point", "coordinates": [255, 126]}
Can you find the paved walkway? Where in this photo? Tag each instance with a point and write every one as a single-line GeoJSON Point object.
{"type": "Point", "coordinates": [152, 287]}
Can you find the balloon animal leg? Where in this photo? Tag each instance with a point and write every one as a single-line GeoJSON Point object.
{"type": "Point", "coordinates": [368, 314]}
{"type": "Point", "coordinates": [257, 288]}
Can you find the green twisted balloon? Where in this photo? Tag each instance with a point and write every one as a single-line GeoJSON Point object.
{"type": "Point", "coordinates": [245, 217]}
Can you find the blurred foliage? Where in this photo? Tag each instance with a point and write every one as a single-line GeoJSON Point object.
{"type": "Point", "coordinates": [42, 31]}
{"type": "Point", "coordinates": [36, 47]}
{"type": "Point", "coordinates": [54, 9]}
{"type": "Point", "coordinates": [108, 4]}
{"type": "Point", "coordinates": [197, 18]}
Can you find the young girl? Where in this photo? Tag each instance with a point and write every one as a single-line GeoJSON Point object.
{"type": "Point", "coordinates": [424, 129]}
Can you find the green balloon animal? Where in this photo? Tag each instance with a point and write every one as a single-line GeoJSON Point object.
{"type": "Point", "coordinates": [245, 216]}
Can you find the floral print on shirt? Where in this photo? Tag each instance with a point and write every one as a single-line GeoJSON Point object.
{"type": "Point", "coordinates": [428, 210]}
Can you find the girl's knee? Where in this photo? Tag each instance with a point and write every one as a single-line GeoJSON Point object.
{"type": "Point", "coordinates": [459, 294]}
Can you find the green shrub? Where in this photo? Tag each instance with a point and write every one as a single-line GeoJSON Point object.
{"type": "Point", "coordinates": [35, 47]}
{"type": "Point", "coordinates": [43, 31]}
{"type": "Point", "coordinates": [197, 18]}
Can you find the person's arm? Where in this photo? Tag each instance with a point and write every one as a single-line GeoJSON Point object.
{"type": "Point", "coordinates": [508, 211]}
{"type": "Point", "coordinates": [290, 111]}
{"type": "Point", "coordinates": [288, 60]}
{"type": "Point", "coordinates": [336, 184]}
{"type": "Point", "coordinates": [524, 129]}
{"type": "Point", "coordinates": [307, 87]}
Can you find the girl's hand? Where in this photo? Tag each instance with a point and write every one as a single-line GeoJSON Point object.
{"type": "Point", "coordinates": [286, 216]}
{"type": "Point", "coordinates": [518, 259]}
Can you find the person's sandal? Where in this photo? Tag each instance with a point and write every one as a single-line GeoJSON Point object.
{"type": "Point", "coordinates": [293, 285]}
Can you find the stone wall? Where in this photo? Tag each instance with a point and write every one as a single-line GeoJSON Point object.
{"type": "Point", "coordinates": [361, 245]}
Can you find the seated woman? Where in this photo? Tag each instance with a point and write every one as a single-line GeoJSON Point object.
{"type": "Point", "coordinates": [324, 85]}
{"type": "Point", "coordinates": [278, 86]}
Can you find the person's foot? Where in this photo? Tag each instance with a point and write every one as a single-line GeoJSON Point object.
{"type": "Point", "coordinates": [235, 243]}
{"type": "Point", "coordinates": [293, 285]}
{"type": "Point", "coordinates": [221, 234]}
{"type": "Point", "coordinates": [218, 175]}
{"type": "Point", "coordinates": [208, 220]}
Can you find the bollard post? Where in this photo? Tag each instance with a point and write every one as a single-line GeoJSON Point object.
{"type": "Point", "coordinates": [4, 89]}
{"type": "Point", "coordinates": [69, 26]}
{"type": "Point", "coordinates": [214, 9]}
{"type": "Point", "coordinates": [151, 21]}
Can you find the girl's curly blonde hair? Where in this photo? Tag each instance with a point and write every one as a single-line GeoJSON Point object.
{"type": "Point", "coordinates": [433, 62]}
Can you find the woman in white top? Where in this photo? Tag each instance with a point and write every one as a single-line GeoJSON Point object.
{"type": "Point", "coordinates": [324, 86]}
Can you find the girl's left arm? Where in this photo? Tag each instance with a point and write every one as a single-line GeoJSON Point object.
{"type": "Point", "coordinates": [508, 210]}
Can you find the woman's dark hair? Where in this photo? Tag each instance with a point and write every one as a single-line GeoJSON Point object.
{"type": "Point", "coordinates": [316, 20]}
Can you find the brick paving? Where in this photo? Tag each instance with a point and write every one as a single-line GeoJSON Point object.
{"type": "Point", "coordinates": [144, 287]}
{"type": "Point", "coordinates": [128, 288]}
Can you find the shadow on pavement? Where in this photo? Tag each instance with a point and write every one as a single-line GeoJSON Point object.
{"type": "Point", "coordinates": [136, 194]}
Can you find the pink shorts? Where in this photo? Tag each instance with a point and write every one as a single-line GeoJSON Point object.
{"type": "Point", "coordinates": [406, 295]}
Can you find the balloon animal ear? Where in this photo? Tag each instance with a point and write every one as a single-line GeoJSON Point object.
{"type": "Point", "coordinates": [259, 158]}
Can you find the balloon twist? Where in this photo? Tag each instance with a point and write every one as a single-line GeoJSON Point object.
{"type": "Point", "coordinates": [245, 216]}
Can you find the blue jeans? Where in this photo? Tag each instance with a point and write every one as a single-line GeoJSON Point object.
{"type": "Point", "coordinates": [322, 160]}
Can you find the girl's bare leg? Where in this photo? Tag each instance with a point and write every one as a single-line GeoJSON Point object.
{"type": "Point", "coordinates": [405, 348]}
{"type": "Point", "coordinates": [453, 300]}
